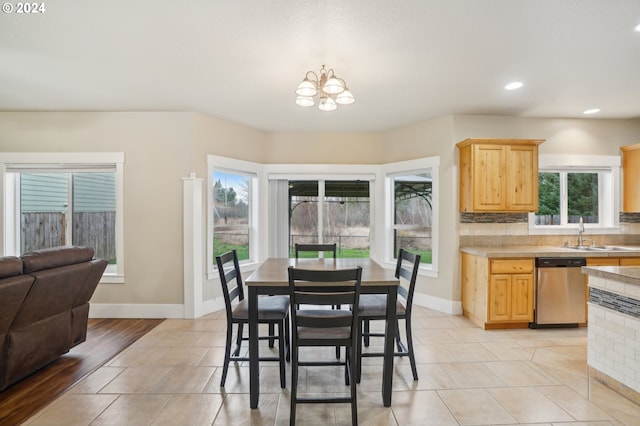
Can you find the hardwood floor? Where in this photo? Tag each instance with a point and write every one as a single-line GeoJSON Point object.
{"type": "Point", "coordinates": [105, 339]}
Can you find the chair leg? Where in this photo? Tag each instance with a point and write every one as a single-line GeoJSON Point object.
{"type": "Point", "coordinates": [399, 345]}
{"type": "Point", "coordinates": [347, 366]}
{"type": "Point", "coordinates": [412, 356]}
{"type": "Point", "coordinates": [271, 334]}
{"type": "Point", "coordinates": [227, 354]}
{"type": "Point", "coordinates": [352, 371]}
{"type": "Point", "coordinates": [281, 351]}
{"type": "Point", "coordinates": [236, 352]}
{"type": "Point", "coordinates": [359, 351]}
{"type": "Point", "coordinates": [287, 340]}
{"type": "Point", "coordinates": [294, 386]}
{"type": "Point", "coordinates": [366, 333]}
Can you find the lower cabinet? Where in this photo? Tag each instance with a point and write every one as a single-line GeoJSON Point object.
{"type": "Point", "coordinates": [497, 293]}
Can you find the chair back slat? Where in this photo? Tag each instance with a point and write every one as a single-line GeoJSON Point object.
{"type": "Point", "coordinates": [230, 278]}
{"type": "Point", "coordinates": [299, 248]}
{"type": "Point", "coordinates": [407, 268]}
{"type": "Point", "coordinates": [323, 287]}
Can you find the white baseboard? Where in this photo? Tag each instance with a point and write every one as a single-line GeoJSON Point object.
{"type": "Point", "coordinates": [135, 310]}
{"type": "Point", "coordinates": [451, 307]}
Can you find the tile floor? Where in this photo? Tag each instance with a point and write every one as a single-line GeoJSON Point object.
{"type": "Point", "coordinates": [468, 376]}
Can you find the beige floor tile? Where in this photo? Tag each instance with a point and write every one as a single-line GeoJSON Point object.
{"type": "Point", "coordinates": [214, 357]}
{"type": "Point", "coordinates": [182, 356]}
{"type": "Point", "coordinates": [136, 380]}
{"type": "Point", "coordinates": [421, 408]}
{"type": "Point", "coordinates": [431, 376]}
{"type": "Point", "coordinates": [518, 373]}
{"type": "Point", "coordinates": [472, 375]}
{"type": "Point", "coordinates": [72, 410]}
{"type": "Point", "coordinates": [579, 407]}
{"type": "Point", "coordinates": [428, 336]}
{"type": "Point", "coordinates": [433, 353]}
{"type": "Point", "coordinates": [620, 408]}
{"type": "Point", "coordinates": [97, 380]}
{"type": "Point", "coordinates": [132, 410]}
{"type": "Point", "coordinates": [235, 410]}
{"type": "Point", "coordinates": [470, 352]}
{"type": "Point", "coordinates": [184, 380]}
{"type": "Point", "coordinates": [169, 338]}
{"type": "Point", "coordinates": [189, 410]}
{"type": "Point", "coordinates": [527, 405]}
{"type": "Point", "coordinates": [137, 356]}
{"type": "Point", "coordinates": [475, 407]}
{"type": "Point", "coordinates": [510, 350]}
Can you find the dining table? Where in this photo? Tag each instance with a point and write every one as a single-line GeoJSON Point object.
{"type": "Point", "coordinates": [272, 278]}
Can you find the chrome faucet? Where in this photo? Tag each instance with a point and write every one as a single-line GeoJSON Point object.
{"type": "Point", "coordinates": [580, 231]}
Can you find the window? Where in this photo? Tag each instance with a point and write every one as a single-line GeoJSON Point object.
{"type": "Point", "coordinates": [345, 218]}
{"type": "Point", "coordinates": [570, 188]}
{"type": "Point", "coordinates": [412, 213]}
{"type": "Point", "coordinates": [232, 204]}
{"type": "Point", "coordinates": [231, 201]}
{"type": "Point", "coordinates": [76, 200]}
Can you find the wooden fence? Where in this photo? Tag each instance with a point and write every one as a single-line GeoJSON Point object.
{"type": "Point", "coordinates": [48, 229]}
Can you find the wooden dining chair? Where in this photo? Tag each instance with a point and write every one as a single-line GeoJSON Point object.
{"type": "Point", "coordinates": [318, 248]}
{"type": "Point", "coordinates": [313, 324]}
{"type": "Point", "coordinates": [272, 310]}
{"type": "Point", "coordinates": [374, 307]}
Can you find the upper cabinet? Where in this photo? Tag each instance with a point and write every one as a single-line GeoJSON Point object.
{"type": "Point", "coordinates": [499, 175]}
{"type": "Point", "coordinates": [631, 178]}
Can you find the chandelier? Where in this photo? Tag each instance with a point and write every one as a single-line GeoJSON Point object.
{"type": "Point", "coordinates": [330, 89]}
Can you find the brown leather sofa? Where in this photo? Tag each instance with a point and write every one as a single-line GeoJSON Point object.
{"type": "Point", "coordinates": [44, 307]}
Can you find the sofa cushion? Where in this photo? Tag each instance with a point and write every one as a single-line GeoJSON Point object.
{"type": "Point", "coordinates": [10, 266]}
{"type": "Point", "coordinates": [55, 257]}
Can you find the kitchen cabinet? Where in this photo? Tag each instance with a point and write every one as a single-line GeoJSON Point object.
{"type": "Point", "coordinates": [498, 175]}
{"type": "Point", "coordinates": [497, 293]}
{"type": "Point", "coordinates": [630, 178]}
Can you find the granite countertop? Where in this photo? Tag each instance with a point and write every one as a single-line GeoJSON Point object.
{"type": "Point", "coordinates": [546, 251]}
{"type": "Point", "coordinates": [624, 274]}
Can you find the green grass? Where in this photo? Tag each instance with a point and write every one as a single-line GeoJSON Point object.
{"type": "Point", "coordinates": [243, 252]}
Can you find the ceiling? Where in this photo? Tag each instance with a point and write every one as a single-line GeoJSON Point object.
{"type": "Point", "coordinates": [404, 61]}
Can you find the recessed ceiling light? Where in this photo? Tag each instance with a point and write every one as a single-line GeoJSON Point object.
{"type": "Point", "coordinates": [592, 111]}
{"type": "Point", "coordinates": [513, 85]}
{"type": "Point", "coordinates": [637, 28]}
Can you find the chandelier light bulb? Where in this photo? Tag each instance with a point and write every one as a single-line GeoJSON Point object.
{"type": "Point", "coordinates": [333, 86]}
{"type": "Point", "coordinates": [305, 101]}
{"type": "Point", "coordinates": [306, 88]}
{"type": "Point", "coordinates": [345, 98]}
{"type": "Point", "coordinates": [327, 104]}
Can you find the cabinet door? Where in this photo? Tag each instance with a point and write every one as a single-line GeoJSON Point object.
{"type": "Point", "coordinates": [522, 297]}
{"type": "Point", "coordinates": [488, 177]}
{"type": "Point", "coordinates": [630, 179]}
{"type": "Point", "coordinates": [500, 297]}
{"type": "Point", "coordinates": [522, 178]}
{"type": "Point", "coordinates": [630, 261]}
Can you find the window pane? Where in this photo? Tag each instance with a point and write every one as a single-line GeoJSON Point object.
{"type": "Point", "coordinates": [303, 213]}
{"type": "Point", "coordinates": [413, 214]}
{"type": "Point", "coordinates": [347, 217]}
{"type": "Point", "coordinates": [231, 214]}
{"type": "Point", "coordinates": [548, 199]}
{"type": "Point", "coordinates": [94, 213]}
{"type": "Point", "coordinates": [582, 191]}
{"type": "Point", "coordinates": [44, 210]}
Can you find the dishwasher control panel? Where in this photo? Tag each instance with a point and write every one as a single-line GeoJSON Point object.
{"type": "Point", "coordinates": [554, 262]}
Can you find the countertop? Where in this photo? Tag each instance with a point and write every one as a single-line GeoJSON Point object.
{"type": "Point", "coordinates": [546, 251]}
{"type": "Point", "coordinates": [623, 274]}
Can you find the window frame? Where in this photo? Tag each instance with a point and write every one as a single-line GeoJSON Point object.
{"type": "Point", "coordinates": [253, 172]}
{"type": "Point", "coordinates": [390, 171]}
{"type": "Point", "coordinates": [608, 170]}
{"type": "Point", "coordinates": [16, 162]}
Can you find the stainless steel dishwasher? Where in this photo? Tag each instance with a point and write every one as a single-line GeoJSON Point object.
{"type": "Point", "coordinates": [560, 292]}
